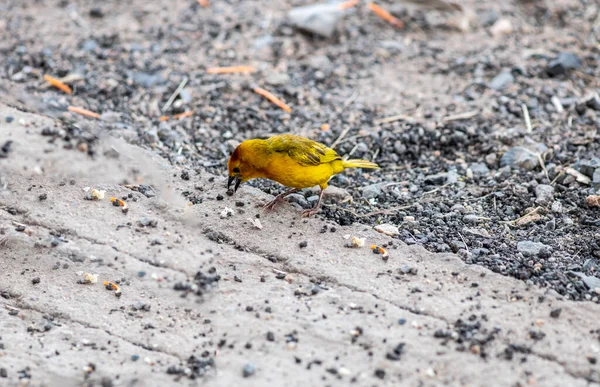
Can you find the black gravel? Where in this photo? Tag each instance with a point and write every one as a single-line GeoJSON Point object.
{"type": "Point", "coordinates": [203, 283]}
{"type": "Point", "coordinates": [195, 367]}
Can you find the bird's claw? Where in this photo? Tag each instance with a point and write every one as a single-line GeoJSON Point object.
{"type": "Point", "coordinates": [271, 205]}
{"type": "Point", "coordinates": [278, 199]}
{"type": "Point", "coordinates": [309, 213]}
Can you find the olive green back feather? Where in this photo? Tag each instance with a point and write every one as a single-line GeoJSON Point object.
{"type": "Point", "coordinates": [302, 150]}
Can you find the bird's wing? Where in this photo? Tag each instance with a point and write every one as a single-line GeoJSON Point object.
{"type": "Point", "coordinates": [304, 151]}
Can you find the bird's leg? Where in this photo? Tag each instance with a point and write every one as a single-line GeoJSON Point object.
{"type": "Point", "coordinates": [278, 199]}
{"type": "Point", "coordinates": [316, 208]}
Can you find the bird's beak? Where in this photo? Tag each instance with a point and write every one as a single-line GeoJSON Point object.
{"type": "Point", "coordinates": [235, 178]}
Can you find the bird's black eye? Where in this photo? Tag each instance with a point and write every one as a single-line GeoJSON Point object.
{"type": "Point", "coordinates": [236, 170]}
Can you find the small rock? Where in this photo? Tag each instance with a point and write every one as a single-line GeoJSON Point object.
{"type": "Point", "coordinates": [452, 177]}
{"type": "Point", "coordinates": [356, 242]}
{"type": "Point", "coordinates": [319, 62]}
{"type": "Point", "coordinates": [256, 223]}
{"type": "Point", "coordinates": [596, 179]}
{"type": "Point", "coordinates": [36, 280]}
{"type": "Point", "coordinates": [312, 200]}
{"type": "Point", "coordinates": [95, 194]}
{"type": "Point", "coordinates": [371, 191]}
{"type": "Point", "coordinates": [471, 219]}
{"type": "Point", "coordinates": [43, 197]}
{"type": "Point", "coordinates": [277, 79]}
{"type": "Point", "coordinates": [379, 373]}
{"type": "Point", "coordinates": [544, 194]}
{"type": "Point", "coordinates": [227, 212]}
{"type": "Point", "coordinates": [437, 179]}
{"type": "Point", "coordinates": [140, 305]}
{"type": "Point", "coordinates": [501, 27]}
{"type": "Point", "coordinates": [555, 313]}
{"type": "Point", "coordinates": [263, 42]}
{"type": "Point", "coordinates": [337, 194]}
{"type": "Point", "coordinates": [400, 148]}
{"type": "Point", "coordinates": [89, 45]}
{"type": "Point", "coordinates": [185, 96]}
{"type": "Point", "coordinates": [580, 177]}
{"type": "Point", "coordinates": [531, 249]}
{"type": "Point", "coordinates": [405, 269]}
{"type": "Point", "coordinates": [147, 222]}
{"type": "Point", "coordinates": [588, 167]}
{"type": "Point", "coordinates": [430, 372]}
{"type": "Point", "coordinates": [458, 208]}
{"type": "Point", "coordinates": [303, 244]}
{"type": "Point", "coordinates": [89, 278]}
{"type": "Point", "coordinates": [476, 231]}
{"type": "Point", "coordinates": [320, 19]}
{"type": "Point", "coordinates": [96, 13]}
{"type": "Point", "coordinates": [396, 353]}
{"type": "Point", "coordinates": [387, 229]}
{"type": "Point", "coordinates": [488, 18]}
{"type": "Point", "coordinates": [591, 101]}
{"type": "Point", "coordinates": [146, 80]}
{"type": "Point", "coordinates": [491, 160]}
{"type": "Point", "coordinates": [309, 289]}
{"type": "Point", "coordinates": [270, 336]}
{"type": "Point", "coordinates": [249, 370]}
{"type": "Point", "coordinates": [592, 283]}
{"type": "Point", "coordinates": [146, 190]}
{"type": "Point", "coordinates": [564, 61]}
{"type": "Point", "coordinates": [479, 169]}
{"type": "Point", "coordinates": [593, 200]}
{"type": "Point", "coordinates": [502, 80]}
{"type": "Point", "coordinates": [522, 157]}
{"type": "Point", "coordinates": [298, 199]}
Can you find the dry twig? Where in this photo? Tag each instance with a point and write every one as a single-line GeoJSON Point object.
{"type": "Point", "coordinates": [57, 83]}
{"type": "Point", "coordinates": [342, 135]}
{"type": "Point", "coordinates": [175, 94]}
{"type": "Point", "coordinates": [385, 15]}
{"type": "Point", "coordinates": [349, 4]}
{"type": "Point", "coordinates": [84, 112]}
{"type": "Point", "coordinates": [268, 95]}
{"type": "Point", "coordinates": [230, 70]}
{"type": "Point", "coordinates": [527, 118]}
{"type": "Point", "coordinates": [460, 116]}
{"type": "Point", "coordinates": [532, 212]}
{"type": "Point", "coordinates": [189, 113]}
{"type": "Point", "coordinates": [397, 117]}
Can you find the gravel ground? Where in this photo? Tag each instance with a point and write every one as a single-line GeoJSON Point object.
{"type": "Point", "coordinates": [207, 299]}
{"type": "Point", "coordinates": [486, 122]}
{"type": "Point", "coordinates": [462, 168]}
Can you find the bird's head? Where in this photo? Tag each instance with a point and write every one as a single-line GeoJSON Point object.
{"type": "Point", "coordinates": [236, 168]}
{"type": "Point", "coordinates": [247, 161]}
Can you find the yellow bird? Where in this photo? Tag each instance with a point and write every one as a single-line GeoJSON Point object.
{"type": "Point", "coordinates": [290, 160]}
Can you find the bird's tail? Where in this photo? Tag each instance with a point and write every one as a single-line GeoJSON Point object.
{"type": "Point", "coordinates": [358, 163]}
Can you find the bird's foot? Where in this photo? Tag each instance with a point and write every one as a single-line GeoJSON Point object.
{"type": "Point", "coordinates": [271, 205]}
{"type": "Point", "coordinates": [311, 212]}
{"type": "Point", "coordinates": [278, 199]}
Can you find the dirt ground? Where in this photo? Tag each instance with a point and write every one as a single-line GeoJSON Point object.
{"type": "Point", "coordinates": [207, 297]}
